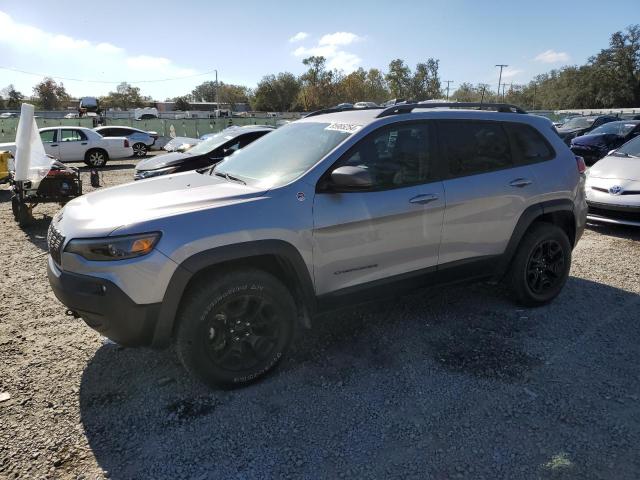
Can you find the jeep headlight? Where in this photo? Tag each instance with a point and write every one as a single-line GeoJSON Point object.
{"type": "Point", "coordinates": [114, 248]}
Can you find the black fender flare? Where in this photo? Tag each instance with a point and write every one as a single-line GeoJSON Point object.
{"type": "Point", "coordinates": [529, 216]}
{"type": "Point", "coordinates": [284, 252]}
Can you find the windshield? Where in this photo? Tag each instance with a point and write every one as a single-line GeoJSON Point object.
{"type": "Point", "coordinates": [210, 144]}
{"type": "Point", "coordinates": [578, 122]}
{"type": "Point", "coordinates": [632, 147]}
{"type": "Point", "coordinates": [284, 154]}
{"type": "Point", "coordinates": [616, 128]}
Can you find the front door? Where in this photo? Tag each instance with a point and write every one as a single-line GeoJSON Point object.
{"type": "Point", "coordinates": [389, 229]}
{"type": "Point", "coordinates": [50, 141]}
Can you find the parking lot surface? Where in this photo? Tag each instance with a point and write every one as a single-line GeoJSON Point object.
{"type": "Point", "coordinates": [448, 383]}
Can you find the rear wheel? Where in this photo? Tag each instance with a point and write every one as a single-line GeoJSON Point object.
{"type": "Point", "coordinates": [139, 149]}
{"type": "Point", "coordinates": [96, 158]}
{"type": "Point", "coordinates": [541, 265]}
{"type": "Point", "coordinates": [236, 327]}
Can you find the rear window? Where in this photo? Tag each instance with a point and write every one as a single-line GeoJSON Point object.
{"type": "Point", "coordinates": [527, 144]}
{"type": "Point", "coordinates": [474, 147]}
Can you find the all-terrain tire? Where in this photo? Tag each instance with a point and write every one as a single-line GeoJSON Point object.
{"type": "Point", "coordinates": [541, 265]}
{"type": "Point", "coordinates": [235, 326]}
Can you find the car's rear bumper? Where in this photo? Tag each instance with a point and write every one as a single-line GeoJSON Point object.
{"type": "Point", "coordinates": [614, 214]}
{"type": "Point", "coordinates": [105, 307]}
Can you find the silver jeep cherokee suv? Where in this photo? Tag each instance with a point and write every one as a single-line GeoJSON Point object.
{"type": "Point", "coordinates": [336, 207]}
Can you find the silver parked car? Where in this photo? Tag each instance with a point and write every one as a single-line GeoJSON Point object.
{"type": "Point", "coordinates": [141, 141]}
{"type": "Point", "coordinates": [335, 208]}
{"type": "Point", "coordinates": [613, 186]}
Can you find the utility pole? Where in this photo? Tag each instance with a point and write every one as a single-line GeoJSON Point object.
{"type": "Point", "coordinates": [217, 103]}
{"type": "Point", "coordinates": [501, 65]}
{"type": "Point", "coordinates": [449, 82]}
{"type": "Point", "coordinates": [504, 85]}
{"type": "Point", "coordinates": [535, 87]}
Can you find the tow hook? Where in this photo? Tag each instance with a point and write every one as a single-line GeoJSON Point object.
{"type": "Point", "coordinates": [72, 313]}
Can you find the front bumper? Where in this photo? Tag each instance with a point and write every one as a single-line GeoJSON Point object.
{"type": "Point", "coordinates": [615, 214]}
{"type": "Point", "coordinates": [105, 307]}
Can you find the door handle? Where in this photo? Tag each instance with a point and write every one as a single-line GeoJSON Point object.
{"type": "Point", "coordinates": [520, 182]}
{"type": "Point", "coordinates": [424, 198]}
{"type": "Point", "coordinates": [54, 144]}
{"type": "Point", "coordinates": [83, 143]}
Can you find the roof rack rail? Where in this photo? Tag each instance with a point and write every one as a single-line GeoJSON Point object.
{"type": "Point", "coordinates": [408, 107]}
{"type": "Point", "coordinates": [334, 110]}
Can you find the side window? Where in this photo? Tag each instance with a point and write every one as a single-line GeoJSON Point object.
{"type": "Point", "coordinates": [107, 132]}
{"type": "Point", "coordinates": [474, 147]}
{"type": "Point", "coordinates": [68, 135]}
{"type": "Point", "coordinates": [527, 144]}
{"type": "Point", "coordinates": [121, 132]}
{"type": "Point", "coordinates": [395, 156]}
{"type": "Point", "coordinates": [48, 136]}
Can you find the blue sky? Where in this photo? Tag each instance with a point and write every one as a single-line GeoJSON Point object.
{"type": "Point", "coordinates": [129, 41]}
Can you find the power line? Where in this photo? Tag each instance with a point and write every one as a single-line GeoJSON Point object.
{"type": "Point", "coordinates": [104, 81]}
{"type": "Point", "coordinates": [448, 82]}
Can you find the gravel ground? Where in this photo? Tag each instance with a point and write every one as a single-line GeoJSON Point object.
{"type": "Point", "coordinates": [455, 383]}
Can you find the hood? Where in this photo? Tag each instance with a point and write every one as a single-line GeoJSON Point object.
{"type": "Point", "coordinates": [595, 140]}
{"type": "Point", "coordinates": [100, 212]}
{"type": "Point", "coordinates": [624, 168]}
{"type": "Point", "coordinates": [166, 160]}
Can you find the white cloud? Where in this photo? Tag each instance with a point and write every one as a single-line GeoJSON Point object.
{"type": "Point", "coordinates": [551, 56]}
{"type": "Point", "coordinates": [339, 38]}
{"type": "Point", "coordinates": [32, 49]}
{"type": "Point", "coordinates": [299, 37]}
{"type": "Point", "coordinates": [329, 47]}
{"type": "Point", "coordinates": [509, 72]}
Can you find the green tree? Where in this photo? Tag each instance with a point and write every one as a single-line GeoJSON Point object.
{"type": "Point", "coordinates": [181, 104]}
{"type": "Point", "coordinates": [276, 93]}
{"type": "Point", "coordinates": [319, 86]}
{"type": "Point", "coordinates": [50, 94]}
{"type": "Point", "coordinates": [376, 85]}
{"type": "Point", "coordinates": [1, 103]}
{"type": "Point", "coordinates": [399, 79]}
{"type": "Point", "coordinates": [227, 93]}
{"type": "Point", "coordinates": [425, 83]}
{"type": "Point", "coordinates": [125, 97]}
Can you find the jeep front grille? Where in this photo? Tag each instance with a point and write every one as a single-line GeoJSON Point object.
{"type": "Point", "coordinates": [55, 241]}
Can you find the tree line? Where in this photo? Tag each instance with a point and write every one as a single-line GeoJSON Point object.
{"type": "Point", "coordinates": [609, 79]}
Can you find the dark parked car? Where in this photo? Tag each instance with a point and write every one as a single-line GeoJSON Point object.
{"type": "Point", "coordinates": [577, 126]}
{"type": "Point", "coordinates": [204, 154]}
{"type": "Point", "coordinates": [595, 145]}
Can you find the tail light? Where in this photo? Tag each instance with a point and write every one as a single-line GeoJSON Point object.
{"type": "Point", "coordinates": [126, 143]}
{"type": "Point", "coordinates": [582, 167]}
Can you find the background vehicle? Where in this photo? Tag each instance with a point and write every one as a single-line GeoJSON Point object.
{"type": "Point", "coordinates": [595, 145]}
{"type": "Point", "coordinates": [8, 115]}
{"type": "Point", "coordinates": [145, 113]}
{"type": "Point", "coordinates": [213, 149]}
{"type": "Point", "coordinates": [577, 126]}
{"type": "Point", "coordinates": [72, 115]}
{"type": "Point", "coordinates": [72, 144]}
{"type": "Point", "coordinates": [613, 186]}
{"type": "Point", "coordinates": [329, 210]}
{"type": "Point", "coordinates": [88, 106]}
{"type": "Point", "coordinates": [365, 105]}
{"type": "Point", "coordinates": [140, 140]}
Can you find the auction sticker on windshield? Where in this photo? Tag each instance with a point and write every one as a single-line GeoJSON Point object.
{"type": "Point", "coordinates": [344, 127]}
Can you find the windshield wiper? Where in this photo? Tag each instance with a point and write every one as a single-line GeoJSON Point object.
{"type": "Point", "coordinates": [230, 177]}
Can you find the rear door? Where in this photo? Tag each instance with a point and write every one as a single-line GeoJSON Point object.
{"type": "Point", "coordinates": [73, 144]}
{"type": "Point", "coordinates": [485, 190]}
{"type": "Point", "coordinates": [393, 227]}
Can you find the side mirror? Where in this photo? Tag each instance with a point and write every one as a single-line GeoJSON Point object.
{"type": "Point", "coordinates": [356, 178]}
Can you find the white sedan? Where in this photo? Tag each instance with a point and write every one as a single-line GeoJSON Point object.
{"type": "Point", "coordinates": [73, 144]}
{"type": "Point", "coordinates": [613, 186]}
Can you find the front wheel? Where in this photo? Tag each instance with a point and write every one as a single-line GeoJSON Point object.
{"type": "Point", "coordinates": [139, 150]}
{"type": "Point", "coordinates": [235, 327]}
{"type": "Point", "coordinates": [541, 265]}
{"type": "Point", "coordinates": [96, 158]}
